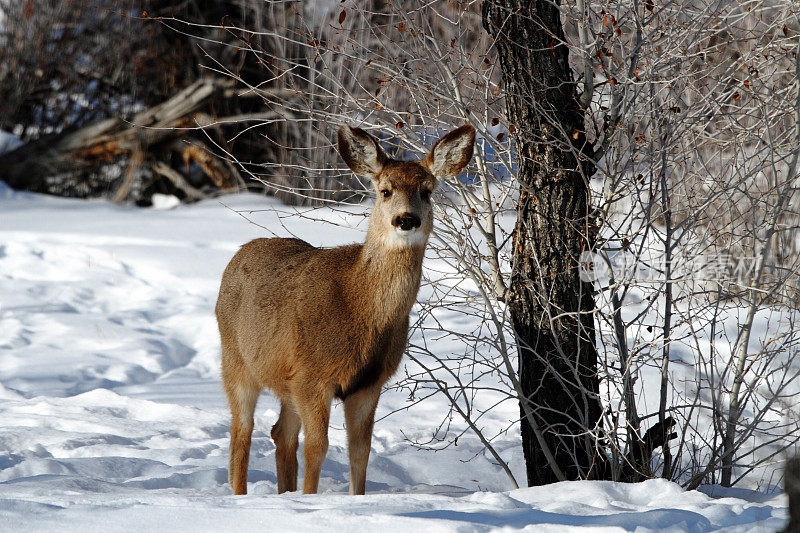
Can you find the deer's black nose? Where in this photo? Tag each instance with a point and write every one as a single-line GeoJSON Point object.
{"type": "Point", "coordinates": [406, 222]}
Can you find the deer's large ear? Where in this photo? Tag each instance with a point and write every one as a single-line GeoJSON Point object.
{"type": "Point", "coordinates": [361, 151]}
{"type": "Point", "coordinates": [451, 153]}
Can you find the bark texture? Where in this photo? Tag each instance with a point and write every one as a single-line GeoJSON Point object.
{"type": "Point", "coordinates": [791, 485]}
{"type": "Point", "coordinates": [551, 308]}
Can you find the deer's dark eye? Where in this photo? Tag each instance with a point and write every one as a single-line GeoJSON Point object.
{"type": "Point", "coordinates": [425, 194]}
{"type": "Point", "coordinates": [386, 193]}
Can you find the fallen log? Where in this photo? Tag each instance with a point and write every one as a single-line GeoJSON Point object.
{"type": "Point", "coordinates": [178, 180]}
{"type": "Point", "coordinates": [32, 166]}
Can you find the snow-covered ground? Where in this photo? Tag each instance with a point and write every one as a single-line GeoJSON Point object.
{"type": "Point", "coordinates": [112, 415]}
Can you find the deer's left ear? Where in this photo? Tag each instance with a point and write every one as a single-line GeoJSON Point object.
{"type": "Point", "coordinates": [451, 153]}
{"type": "Point", "coordinates": [361, 151]}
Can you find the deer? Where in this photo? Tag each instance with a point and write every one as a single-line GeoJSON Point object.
{"type": "Point", "coordinates": [313, 324]}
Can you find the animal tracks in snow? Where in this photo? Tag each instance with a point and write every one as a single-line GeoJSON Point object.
{"type": "Point", "coordinates": [121, 327]}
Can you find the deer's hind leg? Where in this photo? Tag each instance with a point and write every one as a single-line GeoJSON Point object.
{"type": "Point", "coordinates": [242, 393]}
{"type": "Point", "coordinates": [284, 434]}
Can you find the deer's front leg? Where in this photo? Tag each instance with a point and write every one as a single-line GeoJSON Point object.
{"type": "Point", "coordinates": [314, 410]}
{"type": "Point", "coordinates": [359, 413]}
{"type": "Point", "coordinates": [284, 434]}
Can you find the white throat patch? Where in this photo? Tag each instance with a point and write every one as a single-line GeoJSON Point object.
{"type": "Point", "coordinates": [398, 238]}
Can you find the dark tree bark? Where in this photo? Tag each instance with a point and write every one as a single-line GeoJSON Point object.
{"type": "Point", "coordinates": [791, 485]}
{"type": "Point", "coordinates": [551, 308]}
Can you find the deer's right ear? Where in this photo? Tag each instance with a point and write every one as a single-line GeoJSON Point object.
{"type": "Point", "coordinates": [452, 152]}
{"type": "Point", "coordinates": [361, 151]}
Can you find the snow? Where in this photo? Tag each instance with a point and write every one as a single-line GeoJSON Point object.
{"type": "Point", "coordinates": [164, 201]}
{"type": "Point", "coordinates": [112, 413]}
{"type": "Point", "coordinates": [8, 141]}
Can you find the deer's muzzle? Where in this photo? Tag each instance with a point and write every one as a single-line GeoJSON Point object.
{"type": "Point", "coordinates": [406, 222]}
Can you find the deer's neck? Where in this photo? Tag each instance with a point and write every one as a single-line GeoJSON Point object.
{"type": "Point", "coordinates": [389, 278]}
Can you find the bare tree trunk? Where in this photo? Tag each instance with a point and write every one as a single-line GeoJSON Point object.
{"type": "Point", "coordinates": [791, 484]}
{"type": "Point", "coordinates": [551, 307]}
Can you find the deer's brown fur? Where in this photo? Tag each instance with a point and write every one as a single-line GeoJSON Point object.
{"type": "Point", "coordinates": [311, 324]}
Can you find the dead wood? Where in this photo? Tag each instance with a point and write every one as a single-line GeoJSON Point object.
{"type": "Point", "coordinates": [178, 181]}
{"type": "Point", "coordinates": [31, 166]}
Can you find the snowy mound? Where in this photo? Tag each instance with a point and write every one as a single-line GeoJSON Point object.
{"type": "Point", "coordinates": [8, 142]}
{"type": "Point", "coordinates": [112, 413]}
{"type": "Point", "coordinates": [5, 191]}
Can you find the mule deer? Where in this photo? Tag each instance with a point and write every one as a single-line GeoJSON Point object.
{"type": "Point", "coordinates": [312, 324]}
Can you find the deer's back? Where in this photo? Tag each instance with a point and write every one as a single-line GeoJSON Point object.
{"type": "Point", "coordinates": [262, 272]}
{"type": "Point", "coordinates": [295, 316]}
{"type": "Point", "coordinates": [270, 282]}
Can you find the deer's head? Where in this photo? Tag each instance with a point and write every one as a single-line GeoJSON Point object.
{"type": "Point", "coordinates": [403, 214]}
